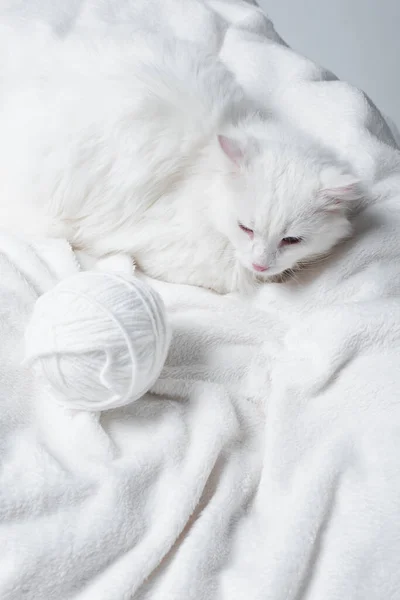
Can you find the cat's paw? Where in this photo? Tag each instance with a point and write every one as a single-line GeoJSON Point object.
{"type": "Point", "coordinates": [116, 263]}
{"type": "Point", "coordinates": [86, 261]}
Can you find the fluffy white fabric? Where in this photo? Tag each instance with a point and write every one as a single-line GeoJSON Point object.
{"type": "Point", "coordinates": [266, 463]}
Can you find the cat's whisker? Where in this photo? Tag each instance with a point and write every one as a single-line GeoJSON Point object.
{"type": "Point", "coordinates": [293, 274]}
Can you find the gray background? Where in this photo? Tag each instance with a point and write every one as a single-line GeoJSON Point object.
{"type": "Point", "coordinates": [359, 40]}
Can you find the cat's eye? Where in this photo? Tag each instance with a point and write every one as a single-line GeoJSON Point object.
{"type": "Point", "coordinates": [289, 241]}
{"type": "Point", "coordinates": [247, 230]}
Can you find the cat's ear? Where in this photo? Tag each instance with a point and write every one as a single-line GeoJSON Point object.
{"type": "Point", "coordinates": [238, 151]}
{"type": "Point", "coordinates": [232, 148]}
{"type": "Point", "coordinates": [339, 189]}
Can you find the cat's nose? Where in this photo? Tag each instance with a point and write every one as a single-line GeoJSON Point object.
{"type": "Point", "coordinates": [259, 268]}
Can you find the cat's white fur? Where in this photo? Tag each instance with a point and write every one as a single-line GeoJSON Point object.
{"type": "Point", "coordinates": [152, 155]}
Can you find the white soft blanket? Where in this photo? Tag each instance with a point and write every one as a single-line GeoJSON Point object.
{"type": "Point", "coordinates": [266, 465]}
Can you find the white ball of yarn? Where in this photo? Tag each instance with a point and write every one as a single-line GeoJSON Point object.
{"type": "Point", "coordinates": [99, 339]}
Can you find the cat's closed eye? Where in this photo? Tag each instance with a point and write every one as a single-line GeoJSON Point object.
{"type": "Point", "coordinates": [247, 230]}
{"type": "Point", "coordinates": [289, 241]}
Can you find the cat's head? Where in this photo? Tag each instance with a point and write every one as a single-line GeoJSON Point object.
{"type": "Point", "coordinates": [283, 205]}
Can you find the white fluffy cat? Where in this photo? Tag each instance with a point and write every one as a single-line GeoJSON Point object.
{"type": "Point", "coordinates": [151, 155]}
